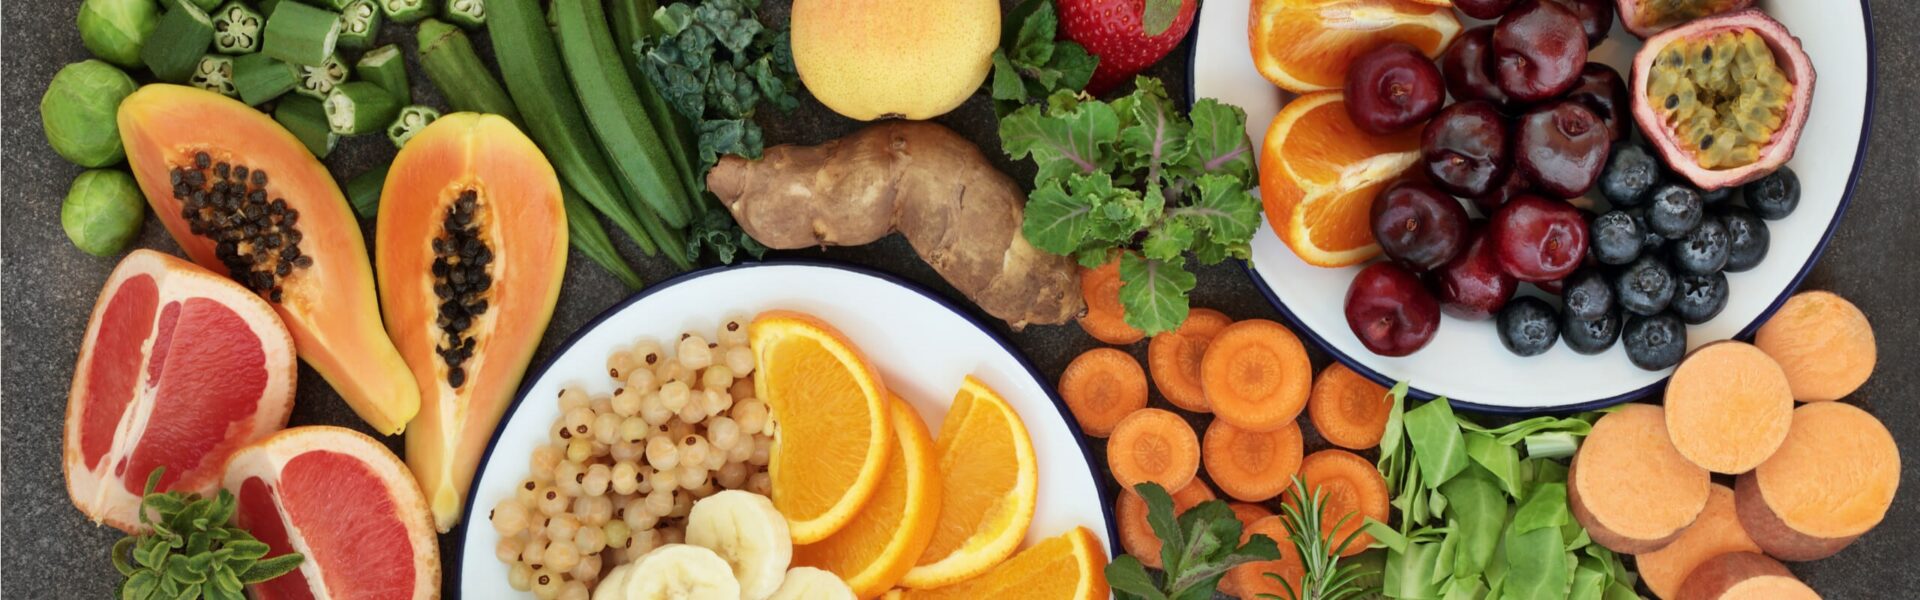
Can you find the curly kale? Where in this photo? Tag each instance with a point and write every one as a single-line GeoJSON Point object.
{"type": "Point", "coordinates": [715, 63]}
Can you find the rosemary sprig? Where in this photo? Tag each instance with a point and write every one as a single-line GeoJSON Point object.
{"type": "Point", "coordinates": [1325, 578]}
{"type": "Point", "coordinates": [191, 552]}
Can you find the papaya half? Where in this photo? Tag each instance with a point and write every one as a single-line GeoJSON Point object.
{"type": "Point", "coordinates": [245, 199]}
{"type": "Point", "coordinates": [472, 235]}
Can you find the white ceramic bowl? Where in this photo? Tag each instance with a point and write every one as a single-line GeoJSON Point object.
{"type": "Point", "coordinates": [923, 346]}
{"type": "Point", "coordinates": [1465, 360]}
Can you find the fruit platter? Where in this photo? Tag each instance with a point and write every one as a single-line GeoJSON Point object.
{"type": "Point", "coordinates": [869, 299]}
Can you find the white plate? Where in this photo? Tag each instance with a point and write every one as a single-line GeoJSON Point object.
{"type": "Point", "coordinates": [923, 346]}
{"type": "Point", "coordinates": [1465, 360]}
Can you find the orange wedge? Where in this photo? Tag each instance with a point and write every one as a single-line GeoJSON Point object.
{"type": "Point", "coordinates": [878, 547]}
{"type": "Point", "coordinates": [988, 485]}
{"type": "Point", "coordinates": [1319, 173]}
{"type": "Point", "coordinates": [1065, 567]}
{"type": "Point", "coordinates": [833, 434]}
{"type": "Point", "coordinates": [1305, 45]}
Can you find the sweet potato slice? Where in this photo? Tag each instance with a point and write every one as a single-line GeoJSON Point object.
{"type": "Point", "coordinates": [1136, 535]}
{"type": "Point", "coordinates": [1716, 532]}
{"type": "Point", "coordinates": [1629, 487]}
{"type": "Point", "coordinates": [1106, 319]}
{"type": "Point", "coordinates": [1831, 481]}
{"type": "Point", "coordinates": [1823, 342]}
{"type": "Point", "coordinates": [1174, 358]}
{"type": "Point", "coordinates": [1153, 445]}
{"type": "Point", "coordinates": [1249, 465]}
{"type": "Point", "coordinates": [1744, 576]}
{"type": "Point", "coordinates": [1347, 408]}
{"type": "Point", "coordinates": [1102, 386]}
{"type": "Point", "coordinates": [1256, 375]}
{"type": "Point", "coordinates": [1728, 407]}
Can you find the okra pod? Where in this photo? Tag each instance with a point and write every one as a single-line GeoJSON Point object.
{"type": "Point", "coordinates": [357, 107]}
{"type": "Point", "coordinates": [411, 120]}
{"type": "Point", "coordinates": [306, 118]}
{"type": "Point", "coordinates": [236, 28]}
{"type": "Point", "coordinates": [363, 191]}
{"type": "Point", "coordinates": [633, 22]}
{"type": "Point", "coordinates": [177, 43]}
{"type": "Point", "coordinates": [453, 67]}
{"type": "Point", "coordinates": [359, 24]}
{"type": "Point", "coordinates": [470, 14]}
{"type": "Point", "coordinates": [317, 82]}
{"type": "Point", "coordinates": [259, 78]}
{"type": "Point", "coordinates": [266, 8]}
{"type": "Point", "coordinates": [206, 6]}
{"type": "Point", "coordinates": [586, 234]}
{"type": "Point", "coordinates": [386, 67]}
{"type": "Point", "coordinates": [406, 11]}
{"type": "Point", "coordinates": [214, 73]}
{"type": "Point", "coordinates": [301, 34]}
{"type": "Point", "coordinates": [613, 109]}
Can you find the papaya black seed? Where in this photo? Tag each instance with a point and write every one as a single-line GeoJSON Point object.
{"type": "Point", "coordinates": [201, 160]}
{"type": "Point", "coordinates": [456, 377]}
{"type": "Point", "coordinates": [221, 169]}
{"type": "Point", "coordinates": [259, 178]}
{"type": "Point", "coordinates": [303, 262]}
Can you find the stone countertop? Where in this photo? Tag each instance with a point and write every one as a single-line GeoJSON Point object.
{"type": "Point", "coordinates": [46, 287]}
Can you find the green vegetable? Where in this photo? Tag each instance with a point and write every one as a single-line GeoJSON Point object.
{"type": "Point", "coordinates": [632, 23]}
{"type": "Point", "coordinates": [586, 234]}
{"type": "Point", "coordinates": [406, 11]}
{"type": "Point", "coordinates": [214, 74]}
{"type": "Point", "coordinates": [1323, 577]}
{"type": "Point", "coordinates": [318, 82]}
{"type": "Point", "coordinates": [1136, 176]}
{"type": "Point", "coordinates": [116, 30]}
{"type": "Point", "coordinates": [259, 78]}
{"type": "Point", "coordinates": [301, 34]}
{"type": "Point", "coordinates": [451, 64]}
{"type": "Point", "coordinates": [359, 23]}
{"type": "Point", "coordinates": [715, 63]}
{"type": "Point", "coordinates": [357, 107]}
{"type": "Point", "coordinates": [410, 121]}
{"type": "Point", "coordinates": [192, 552]}
{"type": "Point", "coordinates": [236, 28]}
{"type": "Point", "coordinates": [1197, 547]}
{"type": "Point", "coordinates": [386, 67]}
{"type": "Point", "coordinates": [203, 5]}
{"type": "Point", "coordinates": [306, 118]}
{"type": "Point", "coordinates": [1030, 64]}
{"type": "Point", "coordinates": [177, 43]}
{"type": "Point", "coordinates": [1437, 443]}
{"type": "Point", "coordinates": [266, 6]}
{"type": "Point", "coordinates": [468, 13]}
{"type": "Point", "coordinates": [363, 191]}
{"type": "Point", "coordinates": [612, 107]}
{"type": "Point", "coordinates": [103, 211]}
{"type": "Point", "coordinates": [78, 110]}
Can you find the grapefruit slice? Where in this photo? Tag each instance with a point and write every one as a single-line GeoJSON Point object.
{"type": "Point", "coordinates": [348, 504]}
{"type": "Point", "coordinates": [179, 367]}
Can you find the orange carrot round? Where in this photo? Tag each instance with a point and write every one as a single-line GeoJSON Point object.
{"type": "Point", "coordinates": [1136, 535]}
{"type": "Point", "coordinates": [1174, 357]}
{"type": "Point", "coordinates": [1153, 445]}
{"type": "Point", "coordinates": [1250, 465]}
{"type": "Point", "coordinates": [1348, 409]}
{"type": "Point", "coordinates": [1106, 319]}
{"type": "Point", "coordinates": [1251, 580]}
{"type": "Point", "coordinates": [1256, 375]}
{"type": "Point", "coordinates": [1728, 407]}
{"type": "Point", "coordinates": [1824, 344]}
{"type": "Point", "coordinates": [1351, 488]}
{"type": "Point", "coordinates": [1102, 386]}
{"type": "Point", "coordinates": [1247, 513]}
{"type": "Point", "coordinates": [1628, 485]}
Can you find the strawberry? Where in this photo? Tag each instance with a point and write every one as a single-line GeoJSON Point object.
{"type": "Point", "coordinates": [1112, 30]}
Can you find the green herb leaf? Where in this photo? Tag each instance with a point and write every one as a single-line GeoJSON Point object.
{"type": "Point", "coordinates": [1158, 16]}
{"type": "Point", "coordinates": [1167, 240]}
{"type": "Point", "coordinates": [1154, 293]}
{"type": "Point", "coordinates": [1055, 221]}
{"type": "Point", "coordinates": [1218, 140]}
{"type": "Point", "coordinates": [1129, 578]}
{"type": "Point", "coordinates": [1062, 142]}
{"type": "Point", "coordinates": [140, 586]}
{"type": "Point", "coordinates": [272, 567]}
{"type": "Point", "coordinates": [1437, 442]}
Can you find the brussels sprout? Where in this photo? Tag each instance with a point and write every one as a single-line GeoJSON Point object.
{"type": "Point", "coordinates": [103, 211]}
{"type": "Point", "coordinates": [77, 112]}
{"type": "Point", "coordinates": [114, 30]}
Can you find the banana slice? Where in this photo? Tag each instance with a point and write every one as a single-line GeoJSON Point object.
{"type": "Point", "coordinates": [749, 533]}
{"type": "Point", "coordinates": [808, 583]}
{"type": "Point", "coordinates": [614, 585]}
{"type": "Point", "coordinates": [676, 571]}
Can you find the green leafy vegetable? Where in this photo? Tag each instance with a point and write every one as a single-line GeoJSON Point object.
{"type": "Point", "coordinates": [191, 552]}
{"type": "Point", "coordinates": [1030, 64]}
{"type": "Point", "coordinates": [1197, 547]}
{"type": "Point", "coordinates": [1323, 578]}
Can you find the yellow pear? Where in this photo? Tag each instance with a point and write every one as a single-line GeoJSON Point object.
{"type": "Point", "coordinates": [875, 59]}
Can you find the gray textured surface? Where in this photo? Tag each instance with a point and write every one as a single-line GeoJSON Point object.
{"type": "Point", "coordinates": [50, 551]}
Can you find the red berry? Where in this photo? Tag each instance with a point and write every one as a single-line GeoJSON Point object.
{"type": "Point", "coordinates": [1112, 30]}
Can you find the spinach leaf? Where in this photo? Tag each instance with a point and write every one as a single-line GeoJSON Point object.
{"type": "Point", "coordinates": [1478, 510]}
{"type": "Point", "coordinates": [1545, 507]}
{"type": "Point", "coordinates": [1437, 442]}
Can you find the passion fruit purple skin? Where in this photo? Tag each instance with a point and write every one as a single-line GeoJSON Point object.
{"type": "Point", "coordinates": [1644, 25]}
{"type": "Point", "coordinates": [1787, 53]}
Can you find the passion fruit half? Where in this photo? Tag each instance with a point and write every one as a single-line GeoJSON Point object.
{"type": "Point", "coordinates": [1646, 18]}
{"type": "Point", "coordinates": [1723, 98]}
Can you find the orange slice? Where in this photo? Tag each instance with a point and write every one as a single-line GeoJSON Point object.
{"type": "Point", "coordinates": [1319, 173]}
{"type": "Point", "coordinates": [1306, 45]}
{"type": "Point", "coordinates": [1067, 566]}
{"type": "Point", "coordinates": [988, 484]}
{"type": "Point", "coordinates": [878, 547]}
{"type": "Point", "coordinates": [833, 435]}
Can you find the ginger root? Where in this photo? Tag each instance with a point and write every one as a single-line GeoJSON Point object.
{"type": "Point", "coordinates": [961, 214]}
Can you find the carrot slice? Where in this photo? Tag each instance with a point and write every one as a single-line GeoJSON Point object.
{"type": "Point", "coordinates": [1256, 375]}
{"type": "Point", "coordinates": [1250, 465]}
{"type": "Point", "coordinates": [1247, 513]}
{"type": "Point", "coordinates": [1251, 580]}
{"type": "Point", "coordinates": [1106, 319]}
{"type": "Point", "coordinates": [1347, 408]}
{"type": "Point", "coordinates": [1175, 358]}
{"type": "Point", "coordinates": [1351, 486]}
{"type": "Point", "coordinates": [1728, 407]}
{"type": "Point", "coordinates": [1823, 342]}
{"type": "Point", "coordinates": [1153, 445]}
{"type": "Point", "coordinates": [1716, 532]}
{"type": "Point", "coordinates": [1831, 481]}
{"type": "Point", "coordinates": [1102, 386]}
{"type": "Point", "coordinates": [1630, 487]}
{"type": "Point", "coordinates": [1136, 535]}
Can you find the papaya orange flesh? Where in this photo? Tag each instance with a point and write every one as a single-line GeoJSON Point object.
{"type": "Point", "coordinates": [283, 221]}
{"type": "Point", "coordinates": [472, 235]}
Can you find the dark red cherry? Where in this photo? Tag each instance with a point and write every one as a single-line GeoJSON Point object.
{"type": "Point", "coordinates": [1390, 311]}
{"type": "Point", "coordinates": [1539, 240]}
{"type": "Point", "coordinates": [1469, 67]}
{"type": "Point", "coordinates": [1512, 187]}
{"type": "Point", "coordinates": [1418, 225]}
{"type": "Point", "coordinates": [1602, 91]}
{"type": "Point", "coordinates": [1483, 9]}
{"type": "Point", "coordinates": [1561, 148]}
{"type": "Point", "coordinates": [1538, 50]}
{"type": "Point", "coordinates": [1473, 286]}
{"type": "Point", "coordinates": [1596, 18]}
{"type": "Point", "coordinates": [1467, 149]}
{"type": "Point", "coordinates": [1392, 88]}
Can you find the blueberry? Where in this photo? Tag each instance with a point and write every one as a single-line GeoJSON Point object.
{"type": "Point", "coordinates": [1587, 295]}
{"type": "Point", "coordinates": [1716, 197]}
{"type": "Point", "coordinates": [1631, 172]}
{"type": "Point", "coordinates": [1775, 196]}
{"type": "Point", "coordinates": [1649, 241]}
{"type": "Point", "coordinates": [1590, 337]}
{"type": "Point", "coordinates": [1700, 297]}
{"type": "Point", "coordinates": [1704, 250]}
{"type": "Point", "coordinates": [1655, 343]}
{"type": "Point", "coordinates": [1615, 238]}
{"type": "Point", "coordinates": [1746, 238]}
{"type": "Point", "coordinates": [1645, 287]}
{"type": "Point", "coordinates": [1528, 326]}
{"type": "Point", "coordinates": [1676, 210]}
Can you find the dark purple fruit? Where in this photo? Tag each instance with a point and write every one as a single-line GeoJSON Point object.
{"type": "Point", "coordinates": [1587, 295]}
{"type": "Point", "coordinates": [1561, 148]}
{"type": "Point", "coordinates": [1700, 297]}
{"type": "Point", "coordinates": [1775, 196]}
{"type": "Point", "coordinates": [1655, 342]}
{"type": "Point", "coordinates": [1615, 238]}
{"type": "Point", "coordinates": [1392, 88]}
{"type": "Point", "coordinates": [1483, 9]}
{"type": "Point", "coordinates": [1419, 225]}
{"type": "Point", "coordinates": [1466, 148]}
{"type": "Point", "coordinates": [1645, 287]}
{"type": "Point", "coordinates": [1631, 174]}
{"type": "Point", "coordinates": [1514, 186]}
{"type": "Point", "coordinates": [1602, 91]}
{"type": "Point", "coordinates": [1596, 18]}
{"type": "Point", "coordinates": [1528, 326]}
{"type": "Point", "coordinates": [1590, 337]}
{"type": "Point", "coordinates": [1747, 239]}
{"type": "Point", "coordinates": [1649, 241]}
{"type": "Point", "coordinates": [1390, 311]}
{"type": "Point", "coordinates": [1703, 250]}
{"type": "Point", "coordinates": [1469, 67]}
{"type": "Point", "coordinates": [1539, 239]}
{"type": "Point", "coordinates": [1538, 49]}
{"type": "Point", "coordinates": [1676, 210]}
{"type": "Point", "coordinates": [1473, 286]}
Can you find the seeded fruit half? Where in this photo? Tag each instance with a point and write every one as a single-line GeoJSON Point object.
{"type": "Point", "coordinates": [1645, 18]}
{"type": "Point", "coordinates": [1723, 99]}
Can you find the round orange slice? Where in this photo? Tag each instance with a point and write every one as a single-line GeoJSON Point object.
{"type": "Point", "coordinates": [988, 485]}
{"type": "Point", "coordinates": [832, 435]}
{"type": "Point", "coordinates": [1319, 173]}
{"type": "Point", "coordinates": [1069, 566]}
{"type": "Point", "coordinates": [1305, 45]}
{"type": "Point", "coordinates": [878, 547]}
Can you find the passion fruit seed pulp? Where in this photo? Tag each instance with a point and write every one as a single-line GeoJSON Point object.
{"type": "Point", "coordinates": [461, 280]}
{"type": "Point", "coordinates": [1647, 17]}
{"type": "Point", "coordinates": [1723, 96]}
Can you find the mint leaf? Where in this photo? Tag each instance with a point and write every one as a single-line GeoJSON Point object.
{"type": "Point", "coordinates": [1154, 293]}
{"type": "Point", "coordinates": [1129, 578]}
{"type": "Point", "coordinates": [1218, 142]}
{"type": "Point", "coordinates": [1074, 64]}
{"type": "Point", "coordinates": [1158, 16]}
{"type": "Point", "coordinates": [1006, 83]}
{"type": "Point", "coordinates": [1033, 45]}
{"type": "Point", "coordinates": [1160, 517]}
{"type": "Point", "coordinates": [1070, 138]}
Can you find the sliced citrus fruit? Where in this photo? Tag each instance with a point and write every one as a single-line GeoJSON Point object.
{"type": "Point", "coordinates": [1319, 173]}
{"type": "Point", "coordinates": [1136, 533]}
{"type": "Point", "coordinates": [1067, 566]}
{"type": "Point", "coordinates": [878, 547]}
{"type": "Point", "coordinates": [1305, 45]}
{"type": "Point", "coordinates": [988, 484]}
{"type": "Point", "coordinates": [832, 435]}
